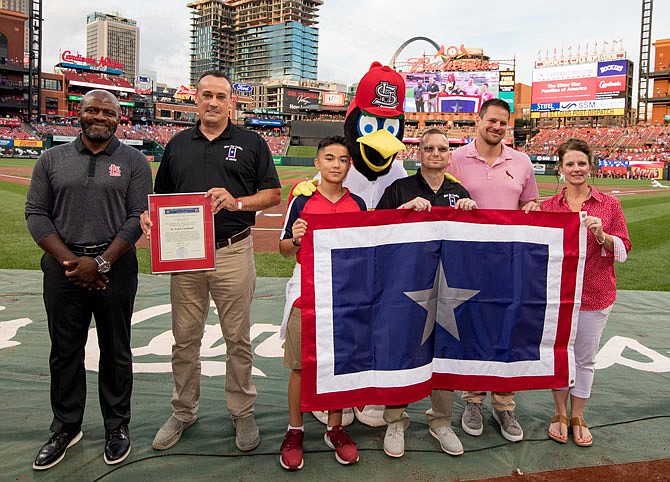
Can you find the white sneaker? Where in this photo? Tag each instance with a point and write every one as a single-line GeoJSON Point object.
{"type": "Point", "coordinates": [394, 440]}
{"type": "Point", "coordinates": [347, 417]}
{"type": "Point", "coordinates": [448, 440]}
{"type": "Point", "coordinates": [372, 415]}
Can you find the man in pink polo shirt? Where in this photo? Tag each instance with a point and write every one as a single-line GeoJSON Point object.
{"type": "Point", "coordinates": [497, 177]}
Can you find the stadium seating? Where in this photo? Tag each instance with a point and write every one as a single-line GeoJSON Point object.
{"type": "Point", "coordinates": [7, 132]}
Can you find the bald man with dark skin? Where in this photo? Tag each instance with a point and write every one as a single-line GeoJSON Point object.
{"type": "Point", "coordinates": [82, 209]}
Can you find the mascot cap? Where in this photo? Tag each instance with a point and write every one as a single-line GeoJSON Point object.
{"type": "Point", "coordinates": [381, 92]}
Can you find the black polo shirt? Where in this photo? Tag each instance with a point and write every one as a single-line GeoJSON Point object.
{"type": "Point", "coordinates": [407, 188]}
{"type": "Point", "coordinates": [238, 160]}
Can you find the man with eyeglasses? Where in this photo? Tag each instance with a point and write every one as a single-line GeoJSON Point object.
{"type": "Point", "coordinates": [498, 177]}
{"type": "Point", "coordinates": [428, 187]}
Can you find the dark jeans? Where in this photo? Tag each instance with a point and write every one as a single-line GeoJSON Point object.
{"type": "Point", "coordinates": [419, 105]}
{"type": "Point", "coordinates": [69, 312]}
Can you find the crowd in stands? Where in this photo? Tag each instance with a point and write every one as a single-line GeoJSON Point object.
{"type": "Point", "coordinates": [326, 117]}
{"type": "Point", "coordinates": [409, 153]}
{"type": "Point", "coordinates": [12, 99]}
{"type": "Point", "coordinates": [43, 129]}
{"type": "Point", "coordinates": [278, 143]}
{"type": "Point", "coordinates": [7, 132]}
{"type": "Point", "coordinates": [638, 143]}
{"type": "Point", "coordinates": [162, 134]}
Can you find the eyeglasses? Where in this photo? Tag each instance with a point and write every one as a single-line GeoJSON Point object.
{"type": "Point", "coordinates": [429, 149]}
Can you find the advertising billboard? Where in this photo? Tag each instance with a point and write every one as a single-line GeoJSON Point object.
{"type": "Point", "coordinates": [334, 99]}
{"type": "Point", "coordinates": [299, 99]}
{"type": "Point", "coordinates": [507, 81]}
{"type": "Point", "coordinates": [593, 89]}
{"type": "Point", "coordinates": [450, 92]}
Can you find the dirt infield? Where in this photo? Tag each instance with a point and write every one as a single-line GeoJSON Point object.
{"type": "Point", "coordinates": [653, 470]}
{"type": "Point", "coordinates": [269, 222]}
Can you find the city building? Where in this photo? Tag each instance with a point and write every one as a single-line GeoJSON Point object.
{"type": "Point", "coordinates": [115, 38]}
{"type": "Point", "coordinates": [255, 40]}
{"type": "Point", "coordinates": [21, 6]}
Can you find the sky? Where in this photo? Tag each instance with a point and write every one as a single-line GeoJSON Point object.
{"type": "Point", "coordinates": [354, 33]}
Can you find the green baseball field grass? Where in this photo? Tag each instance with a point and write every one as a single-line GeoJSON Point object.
{"type": "Point", "coordinates": [647, 214]}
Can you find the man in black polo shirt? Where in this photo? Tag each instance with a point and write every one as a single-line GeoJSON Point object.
{"type": "Point", "coordinates": [84, 200]}
{"type": "Point", "coordinates": [430, 186]}
{"type": "Point", "coordinates": [235, 168]}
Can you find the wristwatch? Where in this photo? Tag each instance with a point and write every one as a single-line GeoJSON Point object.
{"type": "Point", "coordinates": [103, 265]}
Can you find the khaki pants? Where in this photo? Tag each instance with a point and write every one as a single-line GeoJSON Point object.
{"type": "Point", "coordinates": [293, 343]}
{"type": "Point", "coordinates": [438, 416]}
{"type": "Point", "coordinates": [231, 286]}
{"type": "Point", "coordinates": [501, 401]}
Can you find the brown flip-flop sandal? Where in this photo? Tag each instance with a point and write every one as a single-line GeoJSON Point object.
{"type": "Point", "coordinates": [579, 422]}
{"type": "Point", "coordinates": [561, 419]}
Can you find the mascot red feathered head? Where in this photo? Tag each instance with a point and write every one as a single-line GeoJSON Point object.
{"type": "Point", "coordinates": [375, 121]}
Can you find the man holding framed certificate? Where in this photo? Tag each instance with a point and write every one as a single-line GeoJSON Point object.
{"type": "Point", "coordinates": [234, 168]}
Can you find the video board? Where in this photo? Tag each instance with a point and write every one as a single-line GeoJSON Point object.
{"type": "Point", "coordinates": [597, 88]}
{"type": "Point", "coordinates": [450, 92]}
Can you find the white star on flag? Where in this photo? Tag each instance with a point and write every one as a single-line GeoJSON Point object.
{"type": "Point", "coordinates": [439, 303]}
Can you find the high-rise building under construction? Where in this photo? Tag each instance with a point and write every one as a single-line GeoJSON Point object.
{"type": "Point", "coordinates": [255, 40]}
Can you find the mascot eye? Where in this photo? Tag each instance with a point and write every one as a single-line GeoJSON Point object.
{"type": "Point", "coordinates": [392, 125]}
{"type": "Point", "coordinates": [367, 125]}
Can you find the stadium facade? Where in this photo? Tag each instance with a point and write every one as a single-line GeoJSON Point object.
{"type": "Point", "coordinates": [112, 36]}
{"type": "Point", "coordinates": [255, 40]}
{"type": "Point", "coordinates": [13, 68]}
{"type": "Point", "coordinates": [660, 93]}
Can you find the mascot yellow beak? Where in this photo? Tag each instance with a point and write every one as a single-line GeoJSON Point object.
{"type": "Point", "coordinates": [385, 143]}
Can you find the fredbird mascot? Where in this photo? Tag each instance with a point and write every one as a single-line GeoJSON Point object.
{"type": "Point", "coordinates": [373, 130]}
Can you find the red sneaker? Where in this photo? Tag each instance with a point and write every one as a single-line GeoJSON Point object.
{"type": "Point", "coordinates": [291, 450]}
{"type": "Point", "coordinates": [346, 451]}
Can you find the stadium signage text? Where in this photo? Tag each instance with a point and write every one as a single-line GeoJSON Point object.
{"type": "Point", "coordinates": [453, 58]}
{"type": "Point", "coordinates": [615, 67]}
{"type": "Point", "coordinates": [296, 99]}
{"type": "Point", "coordinates": [426, 64]}
{"type": "Point", "coordinates": [577, 113]}
{"type": "Point", "coordinates": [604, 85]}
{"type": "Point", "coordinates": [242, 87]}
{"type": "Point", "coordinates": [68, 56]}
{"type": "Point", "coordinates": [267, 344]}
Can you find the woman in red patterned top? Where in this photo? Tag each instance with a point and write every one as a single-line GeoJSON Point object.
{"type": "Point", "coordinates": [607, 241]}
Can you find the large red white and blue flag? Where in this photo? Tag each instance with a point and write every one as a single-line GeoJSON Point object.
{"type": "Point", "coordinates": [396, 303]}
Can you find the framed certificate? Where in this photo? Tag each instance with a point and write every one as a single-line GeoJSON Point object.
{"type": "Point", "coordinates": [182, 235]}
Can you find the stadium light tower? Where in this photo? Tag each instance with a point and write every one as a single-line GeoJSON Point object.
{"type": "Point", "coordinates": [645, 48]}
{"type": "Point", "coordinates": [35, 60]}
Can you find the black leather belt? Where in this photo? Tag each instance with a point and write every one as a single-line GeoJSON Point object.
{"type": "Point", "coordinates": [88, 250]}
{"type": "Point", "coordinates": [234, 239]}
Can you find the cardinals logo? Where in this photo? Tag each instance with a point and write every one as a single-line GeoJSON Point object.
{"type": "Point", "coordinates": [386, 95]}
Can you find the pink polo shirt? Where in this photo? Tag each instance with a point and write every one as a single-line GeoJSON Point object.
{"type": "Point", "coordinates": [502, 185]}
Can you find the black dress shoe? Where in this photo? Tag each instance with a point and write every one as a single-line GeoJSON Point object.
{"type": "Point", "coordinates": [117, 445]}
{"type": "Point", "coordinates": [53, 451]}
